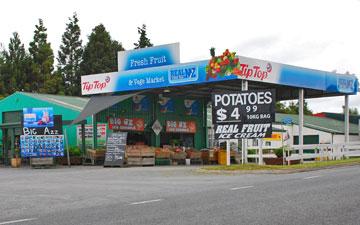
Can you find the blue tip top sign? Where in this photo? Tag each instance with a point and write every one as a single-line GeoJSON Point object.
{"type": "Point", "coordinates": [161, 55]}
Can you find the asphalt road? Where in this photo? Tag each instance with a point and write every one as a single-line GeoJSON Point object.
{"type": "Point", "coordinates": [177, 195]}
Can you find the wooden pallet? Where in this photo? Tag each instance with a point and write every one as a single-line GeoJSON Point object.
{"type": "Point", "coordinates": [40, 163]}
{"type": "Point", "coordinates": [141, 161]}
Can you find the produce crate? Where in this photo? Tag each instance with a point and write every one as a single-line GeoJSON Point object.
{"type": "Point", "coordinates": [162, 162]}
{"type": "Point", "coordinates": [140, 155]}
{"type": "Point", "coordinates": [162, 155]}
{"type": "Point", "coordinates": [42, 162]}
{"type": "Point", "coordinates": [194, 155]}
{"type": "Point", "coordinates": [209, 156]}
{"type": "Point", "coordinates": [94, 157]}
{"type": "Point", "coordinates": [179, 156]}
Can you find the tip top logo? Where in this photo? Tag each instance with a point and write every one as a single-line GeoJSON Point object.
{"type": "Point", "coordinates": [96, 84]}
{"type": "Point", "coordinates": [229, 64]}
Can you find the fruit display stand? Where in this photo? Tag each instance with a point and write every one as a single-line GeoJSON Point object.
{"type": "Point", "coordinates": [140, 155]}
{"type": "Point", "coordinates": [194, 156]}
{"type": "Point", "coordinates": [178, 157]}
{"type": "Point", "coordinates": [94, 157]}
{"type": "Point", "coordinates": [209, 156]}
{"type": "Point", "coordinates": [42, 162]}
{"type": "Point", "coordinates": [163, 156]}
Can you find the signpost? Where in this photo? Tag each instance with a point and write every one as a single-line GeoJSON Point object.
{"type": "Point", "coordinates": [89, 132]}
{"type": "Point", "coordinates": [133, 124]}
{"type": "Point", "coordinates": [157, 127]}
{"type": "Point", "coordinates": [243, 115]}
{"type": "Point", "coordinates": [42, 141]}
{"type": "Point", "coordinates": [115, 149]}
{"type": "Point", "coordinates": [246, 114]}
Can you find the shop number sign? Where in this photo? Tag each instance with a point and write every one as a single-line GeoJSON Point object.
{"type": "Point", "coordinates": [181, 126]}
{"type": "Point", "coordinates": [246, 114]}
{"type": "Point", "coordinates": [134, 124]}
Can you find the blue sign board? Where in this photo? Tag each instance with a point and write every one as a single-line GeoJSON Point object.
{"type": "Point", "coordinates": [38, 117]}
{"type": "Point", "coordinates": [139, 77]}
{"type": "Point", "coordinates": [161, 55]}
{"type": "Point", "coordinates": [41, 146]}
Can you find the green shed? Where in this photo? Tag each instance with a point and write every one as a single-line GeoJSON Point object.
{"type": "Point", "coordinates": [11, 109]}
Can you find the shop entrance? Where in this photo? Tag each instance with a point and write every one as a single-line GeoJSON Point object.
{"type": "Point", "coordinates": [177, 139]}
{"type": "Point", "coordinates": [138, 138]}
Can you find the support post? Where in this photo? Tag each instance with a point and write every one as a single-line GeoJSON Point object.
{"type": "Point", "coordinates": [346, 114]}
{"type": "Point", "coordinates": [83, 148]}
{"type": "Point", "coordinates": [261, 161]}
{"type": "Point", "coordinates": [346, 120]}
{"type": "Point", "coordinates": [301, 123]}
{"type": "Point", "coordinates": [244, 87]}
{"type": "Point", "coordinates": [67, 148]}
{"type": "Point", "coordinates": [12, 144]}
{"type": "Point", "coordinates": [228, 152]}
{"type": "Point", "coordinates": [94, 123]}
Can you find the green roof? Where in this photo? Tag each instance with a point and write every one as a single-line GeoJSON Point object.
{"type": "Point", "coordinates": [75, 103]}
{"type": "Point", "coordinates": [319, 123]}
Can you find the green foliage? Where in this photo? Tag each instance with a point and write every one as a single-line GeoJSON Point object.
{"type": "Point", "coordinates": [70, 56]}
{"type": "Point", "coordinates": [74, 151]}
{"type": "Point", "coordinates": [15, 66]}
{"type": "Point", "coordinates": [353, 111]}
{"type": "Point", "coordinates": [293, 108]}
{"type": "Point", "coordinates": [251, 151]}
{"type": "Point", "coordinates": [42, 61]}
{"type": "Point", "coordinates": [100, 53]}
{"type": "Point", "coordinates": [212, 52]}
{"type": "Point", "coordinates": [2, 63]}
{"type": "Point", "coordinates": [143, 41]}
{"type": "Point", "coordinates": [278, 152]}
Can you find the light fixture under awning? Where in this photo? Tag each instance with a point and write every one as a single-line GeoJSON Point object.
{"type": "Point", "coordinates": [99, 103]}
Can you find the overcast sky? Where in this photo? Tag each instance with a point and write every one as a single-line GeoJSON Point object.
{"type": "Point", "coordinates": [319, 34]}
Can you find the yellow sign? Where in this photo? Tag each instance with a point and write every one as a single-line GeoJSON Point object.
{"type": "Point", "coordinates": [274, 137]}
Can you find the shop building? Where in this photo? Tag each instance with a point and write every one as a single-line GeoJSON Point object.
{"type": "Point", "coordinates": [11, 114]}
{"type": "Point", "coordinates": [170, 86]}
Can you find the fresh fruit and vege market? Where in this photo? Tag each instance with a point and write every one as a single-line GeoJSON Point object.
{"type": "Point", "coordinates": [165, 107]}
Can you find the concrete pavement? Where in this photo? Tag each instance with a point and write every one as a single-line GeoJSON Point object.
{"type": "Point", "coordinates": [177, 195]}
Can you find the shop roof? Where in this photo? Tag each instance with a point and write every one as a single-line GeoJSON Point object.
{"type": "Point", "coordinates": [199, 79]}
{"type": "Point", "coordinates": [75, 103]}
{"type": "Point", "coordinates": [339, 116]}
{"type": "Point", "coordinates": [318, 123]}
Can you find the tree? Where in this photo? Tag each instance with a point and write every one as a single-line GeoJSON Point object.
{"type": "Point", "coordinates": [353, 111]}
{"type": "Point", "coordinates": [293, 108]}
{"type": "Point", "coordinates": [100, 53]}
{"type": "Point", "coordinates": [144, 41]}
{"type": "Point", "coordinates": [69, 57]}
{"type": "Point", "coordinates": [2, 63]}
{"type": "Point", "coordinates": [16, 65]}
{"type": "Point", "coordinates": [42, 63]}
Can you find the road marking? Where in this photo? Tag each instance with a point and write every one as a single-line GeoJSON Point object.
{"type": "Point", "coordinates": [144, 202]}
{"type": "Point", "coordinates": [17, 221]}
{"type": "Point", "coordinates": [238, 188]}
{"type": "Point", "coordinates": [312, 177]}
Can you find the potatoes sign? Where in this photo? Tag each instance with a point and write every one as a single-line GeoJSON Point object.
{"type": "Point", "coordinates": [246, 114]}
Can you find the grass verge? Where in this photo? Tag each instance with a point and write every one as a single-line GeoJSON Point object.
{"type": "Point", "coordinates": [314, 165]}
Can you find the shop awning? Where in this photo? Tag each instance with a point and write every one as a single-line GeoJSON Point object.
{"type": "Point", "coordinates": [99, 103]}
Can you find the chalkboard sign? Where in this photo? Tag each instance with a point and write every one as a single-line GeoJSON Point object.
{"type": "Point", "coordinates": [115, 149]}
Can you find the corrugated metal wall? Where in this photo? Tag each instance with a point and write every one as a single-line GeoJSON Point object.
{"type": "Point", "coordinates": [126, 109]}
